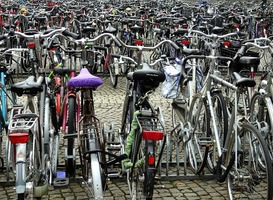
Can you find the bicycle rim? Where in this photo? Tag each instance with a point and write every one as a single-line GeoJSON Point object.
{"type": "Point", "coordinates": [250, 180]}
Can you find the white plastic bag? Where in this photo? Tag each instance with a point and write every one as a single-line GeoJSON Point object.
{"type": "Point", "coordinates": [170, 85]}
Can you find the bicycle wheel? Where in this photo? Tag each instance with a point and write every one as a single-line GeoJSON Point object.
{"type": "Point", "coordinates": [260, 118]}
{"type": "Point", "coordinates": [95, 175]}
{"type": "Point", "coordinates": [70, 162]}
{"type": "Point", "coordinates": [221, 117]}
{"type": "Point", "coordinates": [199, 120]}
{"type": "Point", "coordinates": [149, 170]}
{"type": "Point", "coordinates": [251, 176]}
{"type": "Point", "coordinates": [127, 116]}
{"type": "Point", "coordinates": [136, 175]}
{"type": "Point", "coordinates": [112, 67]}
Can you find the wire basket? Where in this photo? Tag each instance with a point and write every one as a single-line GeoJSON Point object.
{"type": "Point", "coordinates": [231, 52]}
{"type": "Point", "coordinates": [186, 12]}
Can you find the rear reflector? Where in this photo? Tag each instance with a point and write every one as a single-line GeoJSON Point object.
{"type": "Point", "coordinates": [152, 135]}
{"type": "Point", "coordinates": [139, 42]}
{"type": "Point", "coordinates": [185, 42]}
{"type": "Point", "coordinates": [16, 138]}
{"type": "Point", "coordinates": [227, 44]}
{"type": "Point", "coordinates": [151, 160]}
{"type": "Point", "coordinates": [31, 45]}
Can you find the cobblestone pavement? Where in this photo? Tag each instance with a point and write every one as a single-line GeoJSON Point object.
{"type": "Point", "coordinates": [108, 102]}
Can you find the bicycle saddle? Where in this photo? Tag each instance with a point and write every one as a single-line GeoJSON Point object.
{"type": "Point", "coordinates": [248, 60]}
{"type": "Point", "coordinates": [28, 86]}
{"type": "Point", "coordinates": [241, 81]}
{"type": "Point", "coordinates": [110, 29]}
{"type": "Point", "coordinates": [146, 73]}
{"type": "Point", "coordinates": [85, 79]}
{"type": "Point", "coordinates": [62, 70]}
{"type": "Point", "coordinates": [136, 28]}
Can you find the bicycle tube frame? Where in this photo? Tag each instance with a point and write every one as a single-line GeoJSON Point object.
{"type": "Point", "coordinates": [3, 97]}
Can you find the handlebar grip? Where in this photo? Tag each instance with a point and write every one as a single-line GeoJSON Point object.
{"type": "Point", "coordinates": [40, 80]}
{"type": "Point", "coordinates": [240, 52]}
{"type": "Point", "coordinates": [117, 42]}
{"type": "Point", "coordinates": [71, 34]}
{"type": "Point", "coordinates": [2, 37]}
{"type": "Point", "coordinates": [175, 46]}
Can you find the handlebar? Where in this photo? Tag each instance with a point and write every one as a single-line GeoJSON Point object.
{"type": "Point", "coordinates": [184, 62]}
{"type": "Point", "coordinates": [143, 48]}
{"type": "Point", "coordinates": [251, 43]}
{"type": "Point", "coordinates": [40, 35]}
{"type": "Point", "coordinates": [215, 36]}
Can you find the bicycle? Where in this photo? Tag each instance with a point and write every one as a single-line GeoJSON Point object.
{"type": "Point", "coordinates": [143, 132]}
{"type": "Point", "coordinates": [37, 125]}
{"type": "Point", "coordinates": [91, 139]}
{"type": "Point", "coordinates": [240, 156]}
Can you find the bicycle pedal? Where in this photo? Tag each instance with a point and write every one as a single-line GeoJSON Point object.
{"type": "Point", "coordinates": [113, 174]}
{"type": "Point", "coordinates": [114, 147]}
{"type": "Point", "coordinates": [61, 182]}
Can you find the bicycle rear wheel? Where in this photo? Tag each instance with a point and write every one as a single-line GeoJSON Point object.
{"type": "Point", "coordinates": [251, 176]}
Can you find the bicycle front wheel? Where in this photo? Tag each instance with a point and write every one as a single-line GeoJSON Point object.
{"type": "Point", "coordinates": [70, 162]}
{"type": "Point", "coordinates": [251, 176]}
{"type": "Point", "coordinates": [199, 120]}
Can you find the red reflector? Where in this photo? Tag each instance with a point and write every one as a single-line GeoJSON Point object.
{"type": "Point", "coordinates": [175, 25]}
{"type": "Point", "coordinates": [31, 45]}
{"type": "Point", "coordinates": [152, 135]}
{"type": "Point", "coordinates": [139, 42]}
{"type": "Point", "coordinates": [151, 160]}
{"type": "Point", "coordinates": [18, 138]}
{"type": "Point", "coordinates": [17, 22]}
{"type": "Point", "coordinates": [157, 24]}
{"type": "Point", "coordinates": [237, 26]}
{"type": "Point", "coordinates": [52, 49]}
{"type": "Point", "coordinates": [227, 44]}
{"type": "Point", "coordinates": [264, 25]}
{"type": "Point", "coordinates": [185, 42]}
{"type": "Point", "coordinates": [185, 26]}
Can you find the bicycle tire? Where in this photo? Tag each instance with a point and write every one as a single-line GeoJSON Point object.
{"type": "Point", "coordinates": [111, 68]}
{"type": "Point", "coordinates": [21, 196]}
{"type": "Point", "coordinates": [200, 121]}
{"type": "Point", "coordinates": [47, 125]}
{"type": "Point", "coordinates": [127, 116]}
{"type": "Point", "coordinates": [136, 178]}
{"type": "Point", "coordinates": [71, 121]}
{"type": "Point", "coordinates": [254, 182]}
{"type": "Point", "coordinates": [260, 118]}
{"type": "Point", "coordinates": [221, 116]}
{"type": "Point", "coordinates": [149, 170]}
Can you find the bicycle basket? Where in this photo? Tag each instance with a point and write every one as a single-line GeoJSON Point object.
{"type": "Point", "coordinates": [231, 51]}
